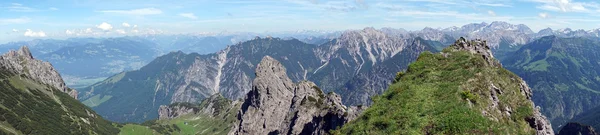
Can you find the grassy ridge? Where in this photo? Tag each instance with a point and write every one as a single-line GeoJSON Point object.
{"type": "Point", "coordinates": [446, 95]}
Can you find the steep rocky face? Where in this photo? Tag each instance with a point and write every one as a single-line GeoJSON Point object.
{"type": "Point", "coordinates": [22, 62]}
{"type": "Point", "coordinates": [276, 105]}
{"type": "Point", "coordinates": [375, 81]}
{"type": "Point", "coordinates": [577, 129]}
{"type": "Point", "coordinates": [352, 53]}
{"type": "Point", "coordinates": [462, 90]}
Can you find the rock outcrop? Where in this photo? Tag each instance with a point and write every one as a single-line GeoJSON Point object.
{"type": "Point", "coordinates": [22, 62]}
{"type": "Point", "coordinates": [175, 110]}
{"type": "Point", "coordinates": [577, 129]}
{"type": "Point", "coordinates": [478, 47]}
{"type": "Point", "coordinates": [276, 105]}
{"type": "Point", "coordinates": [212, 106]}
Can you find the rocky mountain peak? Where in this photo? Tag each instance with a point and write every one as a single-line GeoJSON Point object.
{"type": "Point", "coordinates": [22, 62]}
{"type": "Point", "coordinates": [24, 51]}
{"type": "Point", "coordinates": [275, 105]}
{"type": "Point", "coordinates": [268, 66]}
{"type": "Point", "coordinates": [476, 46]}
{"type": "Point", "coordinates": [545, 32]}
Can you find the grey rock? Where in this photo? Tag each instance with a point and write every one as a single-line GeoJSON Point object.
{"type": "Point", "coordinates": [361, 87]}
{"type": "Point", "coordinates": [22, 62]}
{"type": "Point", "coordinates": [174, 111]}
{"type": "Point", "coordinates": [276, 105]}
{"type": "Point", "coordinates": [478, 47]}
{"type": "Point", "coordinates": [538, 121]}
{"type": "Point", "coordinates": [211, 106]}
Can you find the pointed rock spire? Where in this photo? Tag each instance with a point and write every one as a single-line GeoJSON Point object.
{"type": "Point", "coordinates": [24, 51]}
{"type": "Point", "coordinates": [276, 105]}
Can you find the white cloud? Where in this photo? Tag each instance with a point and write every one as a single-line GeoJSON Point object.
{"type": "Point", "coordinates": [125, 25]}
{"type": "Point", "coordinates": [188, 15]}
{"type": "Point", "coordinates": [492, 13]}
{"type": "Point", "coordinates": [17, 7]}
{"type": "Point", "coordinates": [121, 31]}
{"type": "Point", "coordinates": [564, 5]}
{"type": "Point", "coordinates": [134, 26]}
{"type": "Point", "coordinates": [6, 21]}
{"type": "Point", "coordinates": [30, 33]}
{"type": "Point", "coordinates": [451, 14]}
{"type": "Point", "coordinates": [141, 11]}
{"type": "Point", "coordinates": [104, 26]}
{"type": "Point", "coordinates": [88, 30]}
{"type": "Point", "coordinates": [69, 32]}
{"type": "Point", "coordinates": [15, 30]}
{"type": "Point", "coordinates": [53, 8]}
{"type": "Point", "coordinates": [543, 15]}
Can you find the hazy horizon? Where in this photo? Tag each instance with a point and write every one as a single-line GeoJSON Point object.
{"type": "Point", "coordinates": [60, 19]}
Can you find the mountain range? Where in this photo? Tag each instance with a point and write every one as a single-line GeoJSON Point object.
{"type": "Point", "coordinates": [180, 77]}
{"type": "Point", "coordinates": [502, 36]}
{"type": "Point", "coordinates": [146, 79]}
{"type": "Point", "coordinates": [358, 64]}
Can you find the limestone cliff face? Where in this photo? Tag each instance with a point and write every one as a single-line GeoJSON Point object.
{"type": "Point", "coordinates": [276, 105]}
{"type": "Point", "coordinates": [22, 62]}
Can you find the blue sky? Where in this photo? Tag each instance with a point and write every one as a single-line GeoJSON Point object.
{"type": "Point", "coordinates": [24, 20]}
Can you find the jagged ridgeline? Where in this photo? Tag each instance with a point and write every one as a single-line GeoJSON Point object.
{"type": "Point", "coordinates": [462, 90]}
{"type": "Point", "coordinates": [35, 100]}
{"type": "Point", "coordinates": [275, 105]}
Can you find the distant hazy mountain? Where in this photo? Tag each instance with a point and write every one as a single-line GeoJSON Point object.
{"type": "Point", "coordinates": [498, 33]}
{"type": "Point", "coordinates": [493, 33]}
{"type": "Point", "coordinates": [105, 58]}
{"type": "Point", "coordinates": [43, 46]}
{"type": "Point", "coordinates": [562, 72]}
{"type": "Point", "coordinates": [191, 43]}
{"type": "Point", "coordinates": [84, 61]}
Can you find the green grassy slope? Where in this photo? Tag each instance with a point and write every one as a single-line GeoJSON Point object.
{"type": "Point", "coordinates": [447, 95]}
{"type": "Point", "coordinates": [28, 107]}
